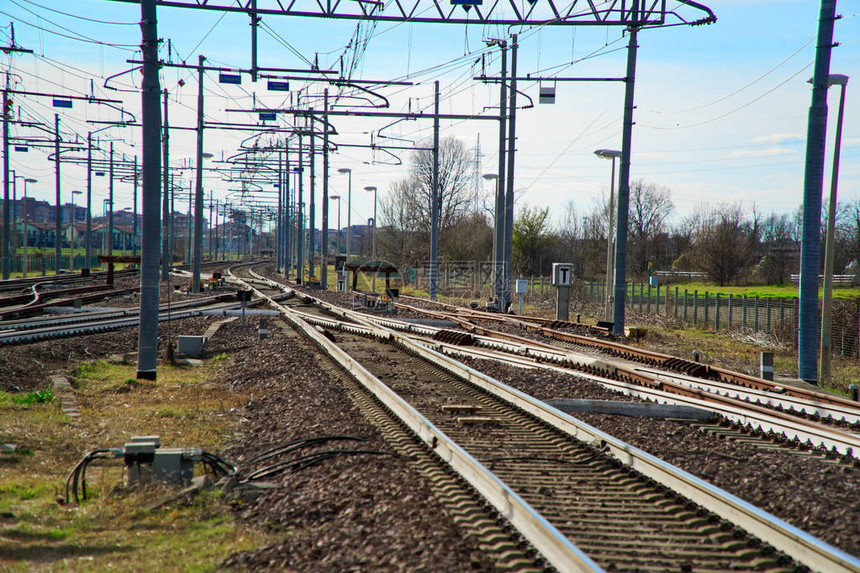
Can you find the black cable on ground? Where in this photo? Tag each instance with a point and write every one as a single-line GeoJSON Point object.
{"type": "Point", "coordinates": [300, 463]}
{"type": "Point", "coordinates": [297, 444]}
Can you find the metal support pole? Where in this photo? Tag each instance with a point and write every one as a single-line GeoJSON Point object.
{"type": "Point", "coordinates": [300, 223]}
{"type": "Point", "coordinates": [610, 270]}
{"type": "Point", "coordinates": [312, 251]}
{"type": "Point", "coordinates": [198, 192]}
{"type": "Point", "coordinates": [812, 188]}
{"type": "Point", "coordinates": [134, 213]}
{"type": "Point", "coordinates": [499, 215]}
{"type": "Point", "coordinates": [166, 253]}
{"type": "Point", "coordinates": [6, 213]}
{"type": "Point", "coordinates": [434, 199]}
{"type": "Point", "coordinates": [279, 252]}
{"type": "Point", "coordinates": [188, 229]}
{"type": "Point", "coordinates": [59, 208]}
{"type": "Point", "coordinates": [509, 194]}
{"type": "Point", "coordinates": [624, 190]}
{"type": "Point", "coordinates": [151, 121]}
{"type": "Point", "coordinates": [324, 263]}
{"type": "Point", "coordinates": [110, 204]}
{"type": "Point", "coordinates": [827, 299]}
{"type": "Point", "coordinates": [254, 20]}
{"type": "Point", "coordinates": [88, 238]}
{"type": "Point", "coordinates": [210, 224]}
{"type": "Point", "coordinates": [288, 238]}
{"type": "Point", "coordinates": [349, 218]}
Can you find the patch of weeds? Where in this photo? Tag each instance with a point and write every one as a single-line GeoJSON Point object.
{"type": "Point", "coordinates": [18, 490]}
{"type": "Point", "coordinates": [31, 398]}
{"type": "Point", "coordinates": [87, 369]}
{"type": "Point", "coordinates": [219, 357]}
{"type": "Point", "coordinates": [169, 413]}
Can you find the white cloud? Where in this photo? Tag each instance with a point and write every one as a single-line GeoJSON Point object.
{"type": "Point", "coordinates": [778, 138]}
{"type": "Point", "coordinates": [766, 152]}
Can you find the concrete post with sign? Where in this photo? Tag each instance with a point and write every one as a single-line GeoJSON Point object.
{"type": "Point", "coordinates": [562, 278]}
{"type": "Point", "coordinates": [521, 287]}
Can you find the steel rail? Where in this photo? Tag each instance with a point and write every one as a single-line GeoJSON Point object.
{"type": "Point", "coordinates": [785, 537]}
{"type": "Point", "coordinates": [546, 539]}
{"type": "Point", "coordinates": [800, 545]}
{"type": "Point", "coordinates": [738, 411]}
{"type": "Point", "coordinates": [666, 360]}
{"type": "Point", "coordinates": [102, 323]}
{"type": "Point", "coordinates": [42, 322]}
{"type": "Point", "coordinates": [684, 385]}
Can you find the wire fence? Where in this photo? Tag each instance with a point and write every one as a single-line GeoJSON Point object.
{"type": "Point", "coordinates": [44, 263]}
{"type": "Point", "coordinates": [775, 316]}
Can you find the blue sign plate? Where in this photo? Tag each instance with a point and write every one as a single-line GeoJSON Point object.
{"type": "Point", "coordinates": [230, 79]}
{"type": "Point", "coordinates": [66, 103]}
{"type": "Point", "coordinates": [279, 86]}
{"type": "Point", "coordinates": [268, 116]}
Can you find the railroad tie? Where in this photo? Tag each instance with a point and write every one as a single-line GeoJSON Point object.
{"type": "Point", "coordinates": [66, 395]}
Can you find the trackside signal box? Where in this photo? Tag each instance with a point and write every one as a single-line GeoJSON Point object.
{"type": "Point", "coordinates": [562, 274]}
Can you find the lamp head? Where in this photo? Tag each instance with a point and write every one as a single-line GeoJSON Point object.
{"type": "Point", "coordinates": [31, 180]}
{"type": "Point", "coordinates": [344, 170]}
{"type": "Point", "coordinates": [370, 188]}
{"type": "Point", "coordinates": [333, 197]}
{"type": "Point", "coordinates": [490, 176]}
{"type": "Point", "coordinates": [833, 80]}
{"type": "Point", "coordinates": [607, 153]}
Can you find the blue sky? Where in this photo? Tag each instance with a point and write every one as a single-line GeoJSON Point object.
{"type": "Point", "coordinates": [721, 109]}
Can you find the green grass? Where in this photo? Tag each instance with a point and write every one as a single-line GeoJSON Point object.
{"type": "Point", "coordinates": [112, 530]}
{"type": "Point", "coordinates": [27, 400]}
{"type": "Point", "coordinates": [771, 291]}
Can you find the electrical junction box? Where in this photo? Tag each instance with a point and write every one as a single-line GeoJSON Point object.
{"type": "Point", "coordinates": [562, 274]}
{"type": "Point", "coordinates": [147, 461]}
{"type": "Point", "coordinates": [521, 286]}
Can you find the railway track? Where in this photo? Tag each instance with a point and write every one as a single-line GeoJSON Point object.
{"type": "Point", "coordinates": [783, 419]}
{"type": "Point", "coordinates": [583, 499]}
{"type": "Point", "coordinates": [24, 331]}
{"type": "Point", "coordinates": [817, 406]}
{"type": "Point", "coordinates": [467, 318]}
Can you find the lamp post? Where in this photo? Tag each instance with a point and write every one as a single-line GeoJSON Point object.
{"type": "Point", "coordinates": [74, 219]}
{"type": "Point", "coordinates": [337, 198]}
{"type": "Point", "coordinates": [124, 234]}
{"type": "Point", "coordinates": [197, 254]}
{"type": "Point", "coordinates": [348, 171]}
{"type": "Point", "coordinates": [498, 237]}
{"type": "Point", "coordinates": [612, 154]}
{"type": "Point", "coordinates": [373, 188]}
{"type": "Point", "coordinates": [107, 245]}
{"type": "Point", "coordinates": [827, 299]}
{"type": "Point", "coordinates": [26, 224]}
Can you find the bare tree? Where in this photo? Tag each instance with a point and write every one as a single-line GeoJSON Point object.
{"type": "Point", "coordinates": [724, 243]}
{"type": "Point", "coordinates": [650, 207]}
{"type": "Point", "coordinates": [780, 244]}
{"type": "Point", "coordinates": [402, 237]}
{"type": "Point", "coordinates": [406, 209]}
{"type": "Point", "coordinates": [532, 234]}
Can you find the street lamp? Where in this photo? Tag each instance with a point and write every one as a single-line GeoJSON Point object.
{"type": "Point", "coordinates": [612, 154]}
{"type": "Point", "coordinates": [26, 224]}
{"type": "Point", "coordinates": [373, 188]}
{"type": "Point", "coordinates": [74, 219]}
{"type": "Point", "coordinates": [348, 171]}
{"type": "Point", "coordinates": [337, 198]}
{"type": "Point", "coordinates": [827, 300]}
{"type": "Point", "coordinates": [198, 217]}
{"type": "Point", "coordinates": [498, 236]}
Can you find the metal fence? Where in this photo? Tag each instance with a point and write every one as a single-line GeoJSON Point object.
{"type": "Point", "coordinates": [713, 311]}
{"type": "Point", "coordinates": [47, 263]}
